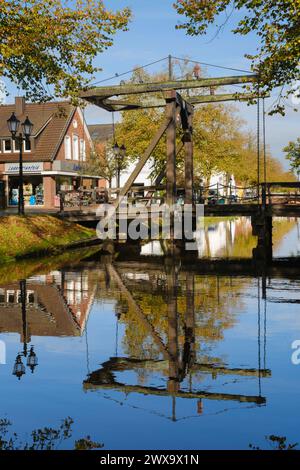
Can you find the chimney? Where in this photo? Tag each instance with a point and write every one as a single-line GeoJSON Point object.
{"type": "Point", "coordinates": [20, 105]}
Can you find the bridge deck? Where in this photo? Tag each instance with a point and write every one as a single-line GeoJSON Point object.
{"type": "Point", "coordinates": [218, 210]}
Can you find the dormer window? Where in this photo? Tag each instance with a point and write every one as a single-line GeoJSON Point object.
{"type": "Point", "coordinates": [27, 145]}
{"type": "Point", "coordinates": [7, 146]}
{"type": "Point", "coordinates": [16, 144]}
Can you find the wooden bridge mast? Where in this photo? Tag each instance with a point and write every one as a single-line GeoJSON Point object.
{"type": "Point", "coordinates": [174, 105]}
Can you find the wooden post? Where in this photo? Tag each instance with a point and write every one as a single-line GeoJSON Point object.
{"type": "Point", "coordinates": [189, 344]}
{"type": "Point", "coordinates": [171, 147]}
{"type": "Point", "coordinates": [173, 384]}
{"type": "Point", "coordinates": [141, 163]}
{"type": "Point", "coordinates": [189, 160]}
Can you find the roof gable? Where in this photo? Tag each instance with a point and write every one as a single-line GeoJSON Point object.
{"type": "Point", "coordinates": [50, 122]}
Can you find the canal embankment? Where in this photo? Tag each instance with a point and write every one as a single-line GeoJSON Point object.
{"type": "Point", "coordinates": [39, 235]}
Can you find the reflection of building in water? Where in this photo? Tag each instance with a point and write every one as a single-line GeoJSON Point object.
{"type": "Point", "coordinates": [78, 291]}
{"type": "Point", "coordinates": [57, 304]}
{"type": "Point", "coordinates": [215, 239]}
{"type": "Point", "coordinates": [219, 238]}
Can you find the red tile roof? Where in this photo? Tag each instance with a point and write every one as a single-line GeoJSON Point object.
{"type": "Point", "coordinates": [50, 122]}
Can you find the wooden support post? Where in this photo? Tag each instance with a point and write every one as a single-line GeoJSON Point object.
{"type": "Point", "coordinates": [262, 228]}
{"type": "Point", "coordinates": [173, 383]}
{"type": "Point", "coordinates": [113, 273]}
{"type": "Point", "coordinates": [189, 160]}
{"type": "Point", "coordinates": [141, 163]}
{"type": "Point", "coordinates": [189, 344]}
{"type": "Point", "coordinates": [171, 147]}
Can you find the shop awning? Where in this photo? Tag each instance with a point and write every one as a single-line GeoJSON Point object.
{"type": "Point", "coordinates": [69, 173]}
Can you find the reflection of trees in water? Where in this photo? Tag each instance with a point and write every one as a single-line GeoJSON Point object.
{"type": "Point", "coordinates": [46, 438]}
{"type": "Point", "coordinates": [277, 443]}
{"type": "Point", "coordinates": [215, 302]}
{"type": "Point", "coordinates": [232, 237]}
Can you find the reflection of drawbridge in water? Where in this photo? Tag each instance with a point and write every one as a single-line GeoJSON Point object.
{"type": "Point", "coordinates": [178, 365]}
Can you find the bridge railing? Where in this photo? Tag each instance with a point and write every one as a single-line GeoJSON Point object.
{"type": "Point", "coordinates": [78, 199]}
{"type": "Point", "coordinates": [217, 194]}
{"type": "Point", "coordinates": [280, 193]}
{"type": "Point", "coordinates": [212, 194]}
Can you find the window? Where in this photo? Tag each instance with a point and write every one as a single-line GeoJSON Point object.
{"type": "Point", "coordinates": [7, 145]}
{"type": "Point", "coordinates": [75, 148]}
{"type": "Point", "coordinates": [27, 145]}
{"type": "Point", "coordinates": [82, 150]}
{"type": "Point", "coordinates": [16, 146]}
{"type": "Point", "coordinates": [68, 155]}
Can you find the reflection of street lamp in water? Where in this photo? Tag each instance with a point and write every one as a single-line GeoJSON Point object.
{"type": "Point", "coordinates": [19, 368]}
{"type": "Point", "coordinates": [32, 360]}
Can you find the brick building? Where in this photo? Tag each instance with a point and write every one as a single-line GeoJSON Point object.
{"type": "Point", "coordinates": [53, 160]}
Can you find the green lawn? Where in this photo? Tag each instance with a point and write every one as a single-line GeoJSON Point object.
{"type": "Point", "coordinates": [37, 234]}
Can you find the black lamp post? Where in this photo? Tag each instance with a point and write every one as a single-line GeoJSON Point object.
{"type": "Point", "coordinates": [13, 124]}
{"type": "Point", "coordinates": [120, 153]}
{"type": "Point", "coordinates": [201, 191]}
{"type": "Point", "coordinates": [230, 189]}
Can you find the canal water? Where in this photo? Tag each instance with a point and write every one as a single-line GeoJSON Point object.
{"type": "Point", "coordinates": [148, 353]}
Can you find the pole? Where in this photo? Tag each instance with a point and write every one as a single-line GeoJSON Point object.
{"type": "Point", "coordinates": [24, 319]}
{"type": "Point", "coordinates": [264, 141]}
{"type": "Point", "coordinates": [171, 148]}
{"type": "Point", "coordinates": [258, 150]}
{"type": "Point", "coordinates": [118, 176]}
{"type": "Point", "coordinates": [188, 145]}
{"type": "Point", "coordinates": [170, 67]}
{"type": "Point", "coordinates": [21, 192]}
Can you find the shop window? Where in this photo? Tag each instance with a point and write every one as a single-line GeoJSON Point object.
{"type": "Point", "coordinates": [68, 154]}
{"type": "Point", "coordinates": [33, 189]}
{"type": "Point", "coordinates": [27, 145]}
{"type": "Point", "coordinates": [7, 145]}
{"type": "Point", "coordinates": [75, 148]}
{"type": "Point", "coordinates": [63, 183]}
{"type": "Point", "coordinates": [82, 150]}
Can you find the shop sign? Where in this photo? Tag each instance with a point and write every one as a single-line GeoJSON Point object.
{"type": "Point", "coordinates": [29, 167]}
{"type": "Point", "coordinates": [66, 166]}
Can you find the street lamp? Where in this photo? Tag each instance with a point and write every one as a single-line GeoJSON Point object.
{"type": "Point", "coordinates": [201, 191]}
{"type": "Point", "coordinates": [120, 153]}
{"type": "Point", "coordinates": [230, 189]}
{"type": "Point", "coordinates": [13, 124]}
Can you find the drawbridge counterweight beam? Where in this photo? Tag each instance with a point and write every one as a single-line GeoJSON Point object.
{"type": "Point", "coordinates": [98, 94]}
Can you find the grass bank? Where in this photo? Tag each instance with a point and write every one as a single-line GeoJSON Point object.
{"type": "Point", "coordinates": [35, 235]}
{"type": "Point", "coordinates": [25, 268]}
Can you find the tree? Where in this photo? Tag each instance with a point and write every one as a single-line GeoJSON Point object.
{"type": "Point", "coordinates": [52, 43]}
{"type": "Point", "coordinates": [220, 142]}
{"type": "Point", "coordinates": [46, 438]}
{"type": "Point", "coordinates": [276, 25]}
{"type": "Point", "coordinates": [102, 162]}
{"type": "Point", "coordinates": [292, 151]}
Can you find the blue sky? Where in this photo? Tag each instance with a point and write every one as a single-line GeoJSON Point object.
{"type": "Point", "coordinates": [152, 35]}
